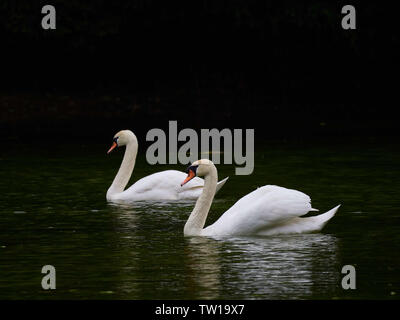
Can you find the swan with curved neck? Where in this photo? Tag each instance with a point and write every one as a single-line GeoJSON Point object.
{"type": "Point", "coordinates": [163, 185]}
{"type": "Point", "coordinates": [269, 210]}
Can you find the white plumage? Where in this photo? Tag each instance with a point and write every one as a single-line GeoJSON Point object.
{"type": "Point", "coordinates": [269, 210]}
{"type": "Point", "coordinates": [164, 185]}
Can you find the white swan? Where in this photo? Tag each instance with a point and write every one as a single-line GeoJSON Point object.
{"type": "Point", "coordinates": [269, 210]}
{"type": "Point", "coordinates": [163, 185]}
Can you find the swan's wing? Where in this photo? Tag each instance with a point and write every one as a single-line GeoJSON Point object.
{"type": "Point", "coordinates": [164, 185]}
{"type": "Point", "coordinates": [263, 208]}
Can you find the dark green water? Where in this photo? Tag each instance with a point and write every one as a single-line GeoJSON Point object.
{"type": "Point", "coordinates": [53, 211]}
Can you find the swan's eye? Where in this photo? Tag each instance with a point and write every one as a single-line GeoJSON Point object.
{"type": "Point", "coordinates": [193, 168]}
{"type": "Point", "coordinates": [116, 140]}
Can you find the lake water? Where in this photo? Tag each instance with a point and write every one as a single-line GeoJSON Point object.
{"type": "Point", "coordinates": [53, 212]}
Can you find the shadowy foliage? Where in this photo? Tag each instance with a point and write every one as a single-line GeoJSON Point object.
{"type": "Point", "coordinates": [277, 66]}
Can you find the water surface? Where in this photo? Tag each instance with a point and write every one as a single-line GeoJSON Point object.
{"type": "Point", "coordinates": [53, 211]}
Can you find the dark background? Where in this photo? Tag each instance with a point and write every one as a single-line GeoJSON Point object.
{"type": "Point", "coordinates": [285, 68]}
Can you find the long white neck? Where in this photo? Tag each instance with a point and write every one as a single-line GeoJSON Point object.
{"type": "Point", "coordinates": [198, 217]}
{"type": "Point", "coordinates": [125, 170]}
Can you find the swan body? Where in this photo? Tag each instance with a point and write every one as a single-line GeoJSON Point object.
{"type": "Point", "coordinates": [269, 210]}
{"type": "Point", "coordinates": [162, 185]}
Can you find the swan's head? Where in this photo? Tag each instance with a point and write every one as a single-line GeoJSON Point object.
{"type": "Point", "coordinates": [199, 168]}
{"type": "Point", "coordinates": [122, 138]}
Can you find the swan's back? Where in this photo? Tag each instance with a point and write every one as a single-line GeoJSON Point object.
{"type": "Point", "coordinates": [164, 185]}
{"type": "Point", "coordinates": [264, 209]}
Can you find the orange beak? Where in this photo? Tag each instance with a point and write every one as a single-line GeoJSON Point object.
{"type": "Point", "coordinates": [114, 145]}
{"type": "Point", "coordinates": [189, 177]}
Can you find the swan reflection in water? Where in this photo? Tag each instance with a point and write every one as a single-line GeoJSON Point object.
{"type": "Point", "coordinates": [155, 260]}
{"type": "Point", "coordinates": [203, 261]}
{"type": "Point", "coordinates": [280, 267]}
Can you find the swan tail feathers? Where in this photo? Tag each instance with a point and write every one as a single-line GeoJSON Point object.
{"type": "Point", "coordinates": [325, 217]}
{"type": "Point", "coordinates": [221, 184]}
